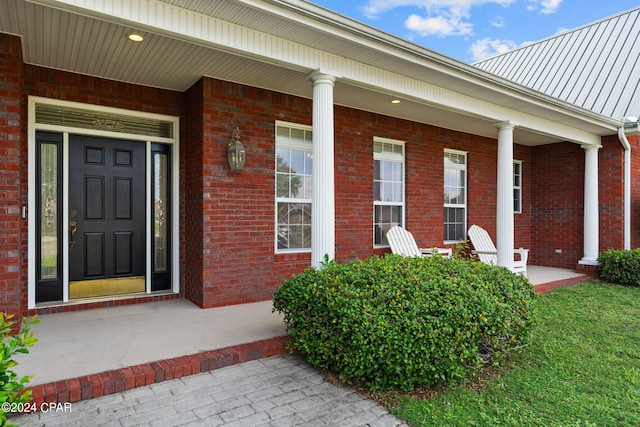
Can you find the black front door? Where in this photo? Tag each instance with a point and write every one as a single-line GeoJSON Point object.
{"type": "Point", "coordinates": [106, 228]}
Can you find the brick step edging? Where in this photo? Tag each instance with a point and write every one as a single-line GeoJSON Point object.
{"type": "Point", "coordinates": [548, 287]}
{"type": "Point", "coordinates": [117, 380]}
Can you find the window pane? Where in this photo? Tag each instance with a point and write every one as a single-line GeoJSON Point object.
{"type": "Point", "coordinates": [282, 160]}
{"type": "Point", "coordinates": [297, 186]}
{"type": "Point", "coordinates": [455, 224]}
{"type": "Point", "coordinates": [282, 133]}
{"type": "Point", "coordinates": [397, 172]}
{"type": "Point", "coordinates": [388, 179]}
{"type": "Point", "coordinates": [385, 218]}
{"type": "Point", "coordinates": [49, 215]}
{"type": "Point", "coordinates": [282, 185]}
{"type": "Point", "coordinates": [297, 162]}
{"type": "Point", "coordinates": [297, 135]}
{"type": "Point", "coordinates": [161, 227]}
{"type": "Point", "coordinates": [454, 186]}
{"type": "Point", "coordinates": [294, 225]}
{"type": "Point", "coordinates": [451, 159]}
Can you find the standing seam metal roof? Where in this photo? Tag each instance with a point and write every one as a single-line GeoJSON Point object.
{"type": "Point", "coordinates": [596, 66]}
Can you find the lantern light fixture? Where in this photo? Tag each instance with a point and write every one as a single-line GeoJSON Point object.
{"type": "Point", "coordinates": [236, 152]}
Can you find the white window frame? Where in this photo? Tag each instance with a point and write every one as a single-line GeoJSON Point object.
{"type": "Point", "coordinates": [517, 186]}
{"type": "Point", "coordinates": [389, 156]}
{"type": "Point", "coordinates": [457, 167]}
{"type": "Point", "coordinates": [290, 145]}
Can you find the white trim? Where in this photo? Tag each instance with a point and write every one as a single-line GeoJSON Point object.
{"type": "Point", "coordinates": [33, 127]}
{"type": "Point", "coordinates": [65, 218]}
{"type": "Point", "coordinates": [147, 215]}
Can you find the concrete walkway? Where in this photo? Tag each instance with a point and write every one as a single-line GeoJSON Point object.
{"type": "Point", "coordinates": [277, 391]}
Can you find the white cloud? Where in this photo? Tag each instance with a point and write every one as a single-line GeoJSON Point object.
{"type": "Point", "coordinates": [374, 8]}
{"type": "Point", "coordinates": [441, 18]}
{"type": "Point", "coordinates": [486, 48]}
{"type": "Point", "coordinates": [498, 22]}
{"type": "Point", "coordinates": [547, 6]}
{"type": "Point", "coordinates": [438, 26]}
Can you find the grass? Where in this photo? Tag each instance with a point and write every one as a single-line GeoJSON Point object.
{"type": "Point", "coordinates": [581, 369]}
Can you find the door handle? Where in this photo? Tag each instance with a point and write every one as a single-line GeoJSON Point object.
{"type": "Point", "coordinates": [73, 227]}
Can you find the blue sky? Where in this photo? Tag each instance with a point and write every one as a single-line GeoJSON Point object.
{"type": "Point", "coordinates": [471, 30]}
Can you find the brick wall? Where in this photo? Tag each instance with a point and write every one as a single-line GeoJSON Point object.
{"type": "Point", "coordinates": [236, 221]}
{"type": "Point", "coordinates": [13, 272]}
{"type": "Point", "coordinates": [425, 147]}
{"type": "Point", "coordinates": [558, 200]}
{"type": "Point", "coordinates": [235, 261]}
{"type": "Point", "coordinates": [558, 210]}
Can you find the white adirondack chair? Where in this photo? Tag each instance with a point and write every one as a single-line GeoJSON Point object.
{"type": "Point", "coordinates": [487, 252]}
{"type": "Point", "coordinates": [402, 243]}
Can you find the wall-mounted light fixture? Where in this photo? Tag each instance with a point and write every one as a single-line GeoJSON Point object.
{"type": "Point", "coordinates": [235, 151]}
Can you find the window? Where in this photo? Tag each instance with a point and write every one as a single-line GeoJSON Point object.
{"type": "Point", "coordinates": [294, 186]}
{"type": "Point", "coordinates": [161, 217]}
{"type": "Point", "coordinates": [517, 186]}
{"type": "Point", "coordinates": [455, 195]}
{"type": "Point", "coordinates": [48, 212]}
{"type": "Point", "coordinates": [388, 187]}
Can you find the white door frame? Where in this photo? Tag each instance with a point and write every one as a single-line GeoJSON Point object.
{"type": "Point", "coordinates": [173, 141]}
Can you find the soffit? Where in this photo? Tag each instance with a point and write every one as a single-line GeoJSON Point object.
{"type": "Point", "coordinates": [96, 45]}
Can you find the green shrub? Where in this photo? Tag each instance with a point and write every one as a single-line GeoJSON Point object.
{"type": "Point", "coordinates": [397, 323]}
{"type": "Point", "coordinates": [621, 267]}
{"type": "Point", "coordinates": [11, 387]}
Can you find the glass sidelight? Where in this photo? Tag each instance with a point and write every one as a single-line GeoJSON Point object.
{"type": "Point", "coordinates": [49, 197]}
{"type": "Point", "coordinates": [161, 221]}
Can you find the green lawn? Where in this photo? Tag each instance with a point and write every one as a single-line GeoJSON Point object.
{"type": "Point", "coordinates": [581, 369]}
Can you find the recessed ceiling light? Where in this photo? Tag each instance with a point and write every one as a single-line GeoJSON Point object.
{"type": "Point", "coordinates": [395, 101]}
{"type": "Point", "coordinates": [135, 37]}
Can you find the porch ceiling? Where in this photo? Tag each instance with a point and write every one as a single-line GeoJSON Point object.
{"type": "Point", "coordinates": [61, 35]}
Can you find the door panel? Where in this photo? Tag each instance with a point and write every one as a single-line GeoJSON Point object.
{"type": "Point", "coordinates": [107, 204]}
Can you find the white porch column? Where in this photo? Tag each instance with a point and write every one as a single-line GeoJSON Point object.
{"type": "Point", "coordinates": [323, 239]}
{"type": "Point", "coordinates": [591, 216]}
{"type": "Point", "coordinates": [504, 205]}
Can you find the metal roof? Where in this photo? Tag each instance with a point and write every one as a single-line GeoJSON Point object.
{"type": "Point", "coordinates": [595, 66]}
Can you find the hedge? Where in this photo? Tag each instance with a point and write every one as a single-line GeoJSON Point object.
{"type": "Point", "coordinates": [395, 322]}
{"type": "Point", "coordinates": [620, 266]}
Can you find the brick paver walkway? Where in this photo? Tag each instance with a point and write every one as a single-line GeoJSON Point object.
{"type": "Point", "coordinates": [278, 391]}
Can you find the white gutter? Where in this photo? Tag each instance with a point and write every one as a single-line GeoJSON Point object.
{"type": "Point", "coordinates": [627, 187]}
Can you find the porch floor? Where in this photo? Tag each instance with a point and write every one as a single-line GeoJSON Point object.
{"type": "Point", "coordinates": [99, 349]}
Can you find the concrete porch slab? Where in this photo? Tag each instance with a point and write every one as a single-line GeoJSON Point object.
{"type": "Point", "coordinates": [87, 342]}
